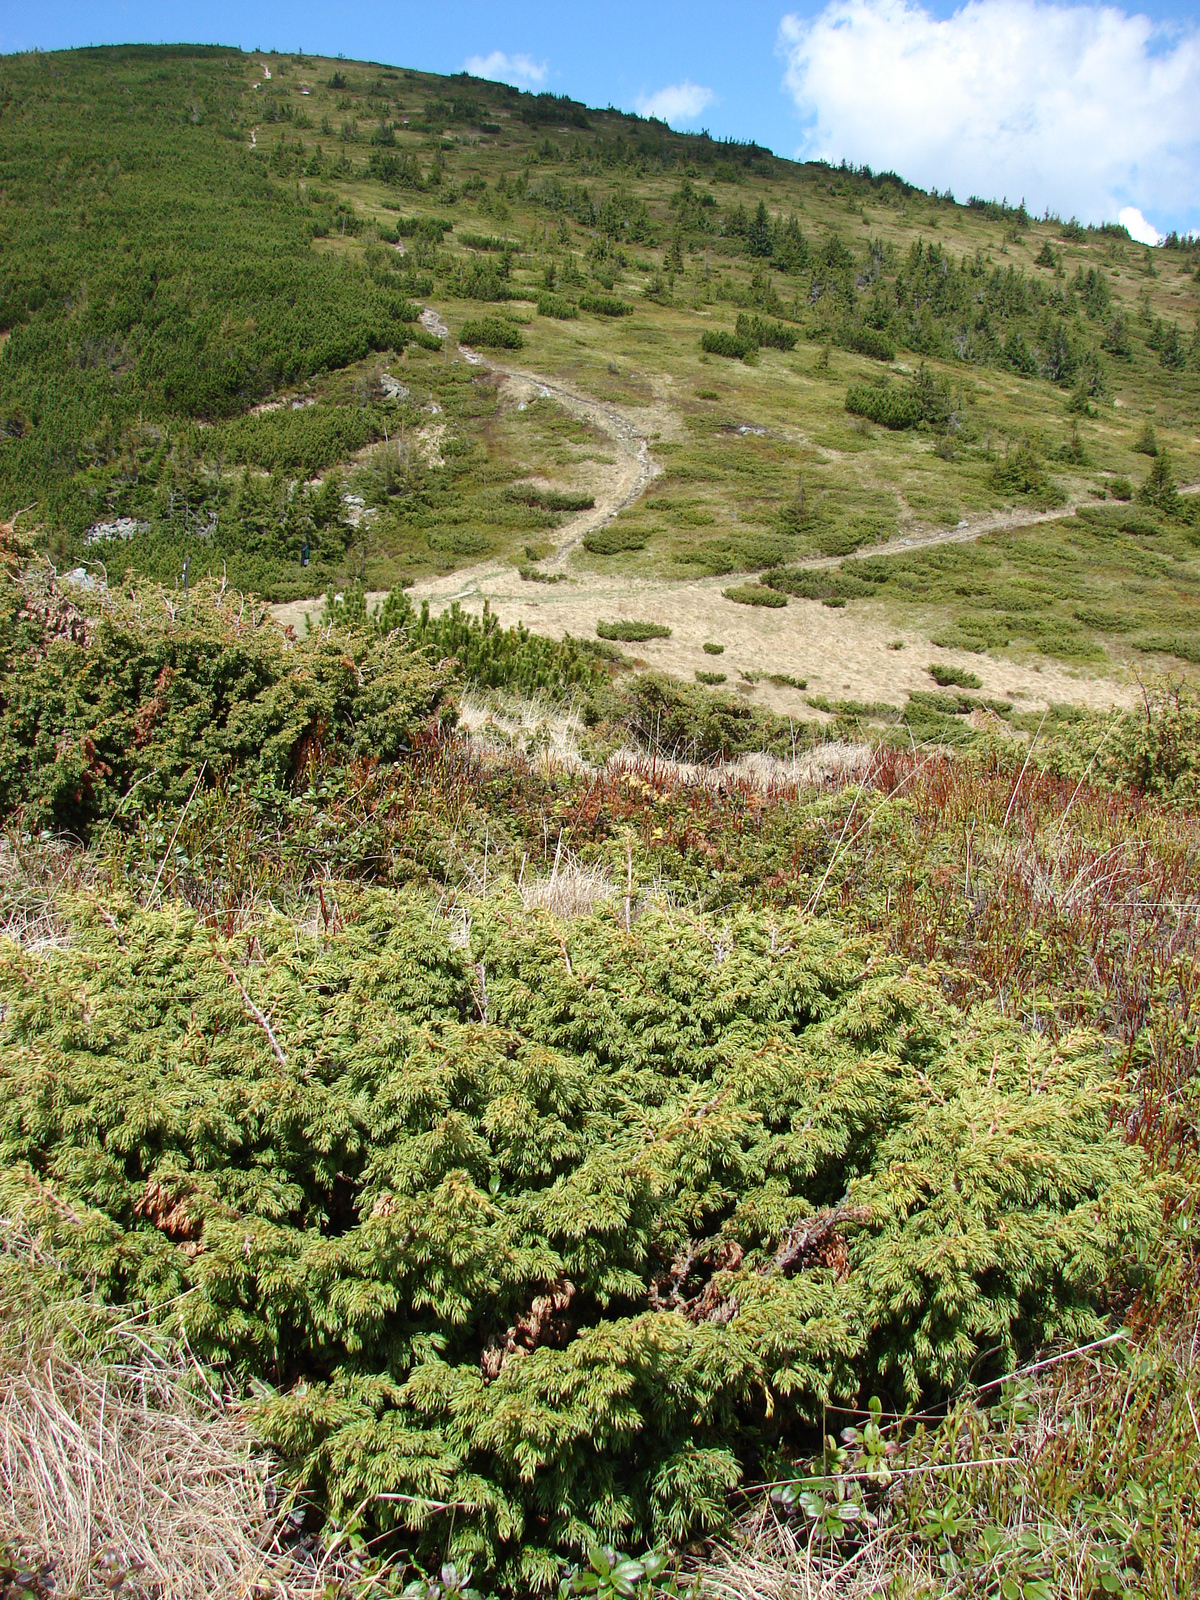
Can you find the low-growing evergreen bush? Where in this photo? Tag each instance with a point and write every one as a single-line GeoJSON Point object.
{"type": "Point", "coordinates": [1022, 472]}
{"type": "Point", "coordinates": [493, 657]}
{"type": "Point", "coordinates": [755, 594]}
{"type": "Point", "coordinates": [555, 305]}
{"type": "Point", "coordinates": [546, 1239]}
{"type": "Point", "coordinates": [925, 399]}
{"type": "Point", "coordinates": [105, 693]}
{"type": "Point", "coordinates": [632, 632]}
{"type": "Point", "coordinates": [867, 341]}
{"type": "Point", "coordinates": [819, 583]}
{"type": "Point", "coordinates": [760, 331]}
{"type": "Point", "coordinates": [605, 305]}
{"type": "Point", "coordinates": [717, 342]}
{"type": "Point", "coordinates": [491, 333]}
{"type": "Point", "coordinates": [610, 541]}
{"type": "Point", "coordinates": [889, 407]}
{"type": "Point", "coordinates": [946, 676]}
{"type": "Point", "coordinates": [551, 499]}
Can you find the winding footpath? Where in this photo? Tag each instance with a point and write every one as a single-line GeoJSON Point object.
{"type": "Point", "coordinates": [636, 469]}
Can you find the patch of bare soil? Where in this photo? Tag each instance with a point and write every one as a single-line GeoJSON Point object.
{"type": "Point", "coordinates": [844, 654]}
{"type": "Point", "coordinates": [432, 323]}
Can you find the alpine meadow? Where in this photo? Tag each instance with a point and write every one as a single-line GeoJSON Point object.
{"type": "Point", "coordinates": [599, 840]}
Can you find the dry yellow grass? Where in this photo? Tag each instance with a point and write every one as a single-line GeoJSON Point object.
{"type": "Point", "coordinates": [122, 1467]}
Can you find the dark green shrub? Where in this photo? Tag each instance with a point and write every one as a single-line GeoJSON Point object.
{"type": "Point", "coordinates": [482, 280]}
{"type": "Point", "coordinates": [719, 343]}
{"type": "Point", "coordinates": [426, 340]}
{"type": "Point", "coordinates": [459, 541]}
{"type": "Point", "coordinates": [632, 632]}
{"type": "Point", "coordinates": [605, 305]}
{"type": "Point", "coordinates": [1184, 645]}
{"type": "Point", "coordinates": [551, 499]}
{"type": "Point", "coordinates": [820, 583]}
{"type": "Point", "coordinates": [1021, 472]}
{"type": "Point", "coordinates": [710, 678]}
{"type": "Point", "coordinates": [492, 657]}
{"type": "Point", "coordinates": [946, 676]}
{"type": "Point", "coordinates": [867, 342]}
{"type": "Point", "coordinates": [760, 331]}
{"type": "Point", "coordinates": [859, 710]}
{"type": "Point", "coordinates": [491, 333]}
{"type": "Point", "coordinates": [711, 649]}
{"type": "Point", "coordinates": [554, 305]}
{"type": "Point", "coordinates": [101, 691]}
{"type": "Point", "coordinates": [890, 407]}
{"type": "Point", "coordinates": [755, 594]}
{"type": "Point", "coordinates": [489, 242]}
{"type": "Point", "coordinates": [925, 399]}
{"type": "Point", "coordinates": [610, 541]}
{"type": "Point", "coordinates": [1159, 489]}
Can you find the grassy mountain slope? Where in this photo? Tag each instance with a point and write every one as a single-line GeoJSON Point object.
{"type": "Point", "coordinates": [212, 282]}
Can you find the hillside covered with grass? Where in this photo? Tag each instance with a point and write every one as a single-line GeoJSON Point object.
{"type": "Point", "coordinates": [215, 265]}
{"type": "Point", "coordinates": [503, 1109]}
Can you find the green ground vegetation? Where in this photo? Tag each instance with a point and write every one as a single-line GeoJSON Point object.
{"type": "Point", "coordinates": [531, 1223]}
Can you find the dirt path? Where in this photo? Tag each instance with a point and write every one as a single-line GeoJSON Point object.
{"type": "Point", "coordinates": [635, 468]}
{"type": "Point", "coordinates": [965, 532]}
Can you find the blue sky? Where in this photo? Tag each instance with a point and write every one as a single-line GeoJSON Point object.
{"type": "Point", "coordinates": [1076, 107]}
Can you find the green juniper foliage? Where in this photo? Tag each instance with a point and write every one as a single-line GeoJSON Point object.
{"type": "Point", "coordinates": [561, 1226]}
{"type": "Point", "coordinates": [102, 695]}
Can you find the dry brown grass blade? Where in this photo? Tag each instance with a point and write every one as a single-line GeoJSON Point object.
{"type": "Point", "coordinates": [130, 1473]}
{"type": "Point", "coordinates": [127, 1470]}
{"type": "Point", "coordinates": [570, 889]}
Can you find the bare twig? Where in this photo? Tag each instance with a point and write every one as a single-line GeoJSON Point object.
{"type": "Point", "coordinates": [259, 1016]}
{"type": "Point", "coordinates": [178, 825]}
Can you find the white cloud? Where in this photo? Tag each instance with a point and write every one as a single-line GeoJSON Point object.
{"type": "Point", "coordinates": [500, 67]}
{"type": "Point", "coordinates": [1079, 108]}
{"type": "Point", "coordinates": [678, 102]}
{"type": "Point", "coordinates": [1144, 232]}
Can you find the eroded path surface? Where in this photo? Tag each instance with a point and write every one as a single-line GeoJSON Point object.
{"type": "Point", "coordinates": [634, 467]}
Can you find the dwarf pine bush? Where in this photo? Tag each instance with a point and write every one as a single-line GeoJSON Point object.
{"type": "Point", "coordinates": [492, 333]}
{"type": "Point", "coordinates": [540, 1240]}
